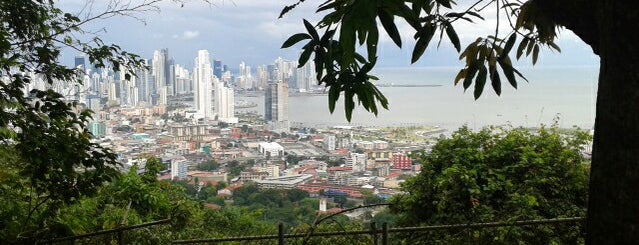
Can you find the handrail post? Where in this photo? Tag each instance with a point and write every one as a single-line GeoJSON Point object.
{"type": "Point", "coordinates": [121, 237]}
{"type": "Point", "coordinates": [280, 234]}
{"type": "Point", "coordinates": [374, 233]}
{"type": "Point", "coordinates": [385, 233]}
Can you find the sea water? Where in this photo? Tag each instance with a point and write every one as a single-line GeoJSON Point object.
{"type": "Point", "coordinates": [564, 94]}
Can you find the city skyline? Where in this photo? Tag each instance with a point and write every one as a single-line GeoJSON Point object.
{"type": "Point", "coordinates": [250, 31]}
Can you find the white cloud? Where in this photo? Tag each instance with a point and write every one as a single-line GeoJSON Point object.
{"type": "Point", "coordinates": [187, 35]}
{"type": "Point", "coordinates": [190, 34]}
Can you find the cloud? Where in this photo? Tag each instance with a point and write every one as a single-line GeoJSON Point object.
{"type": "Point", "coordinates": [190, 34]}
{"type": "Point", "coordinates": [187, 35]}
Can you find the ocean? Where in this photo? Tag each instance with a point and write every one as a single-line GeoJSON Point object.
{"type": "Point", "coordinates": [565, 94]}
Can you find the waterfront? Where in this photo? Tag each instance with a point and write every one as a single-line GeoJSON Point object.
{"type": "Point", "coordinates": [566, 93]}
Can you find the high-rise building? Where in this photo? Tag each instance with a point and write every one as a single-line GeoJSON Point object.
{"type": "Point", "coordinates": [262, 77]}
{"type": "Point", "coordinates": [202, 84]}
{"type": "Point", "coordinates": [182, 80]}
{"type": "Point", "coordinates": [276, 106]}
{"type": "Point", "coordinates": [305, 77]}
{"type": "Point", "coordinates": [217, 68]}
{"type": "Point", "coordinates": [162, 74]}
{"type": "Point", "coordinates": [80, 62]}
{"type": "Point", "coordinates": [225, 103]}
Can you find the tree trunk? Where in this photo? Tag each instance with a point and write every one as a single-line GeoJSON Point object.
{"type": "Point", "coordinates": [613, 208]}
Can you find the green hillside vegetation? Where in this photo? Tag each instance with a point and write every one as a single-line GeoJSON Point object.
{"type": "Point", "coordinates": [500, 175]}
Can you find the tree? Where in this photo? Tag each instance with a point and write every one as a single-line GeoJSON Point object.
{"type": "Point", "coordinates": [603, 25]}
{"type": "Point", "coordinates": [500, 175]}
{"type": "Point", "coordinates": [210, 165]}
{"type": "Point", "coordinates": [46, 131]}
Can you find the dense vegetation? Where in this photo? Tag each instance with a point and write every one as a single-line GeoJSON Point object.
{"type": "Point", "coordinates": [500, 175]}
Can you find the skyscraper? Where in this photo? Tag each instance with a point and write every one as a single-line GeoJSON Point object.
{"type": "Point", "coordinates": [162, 74]}
{"type": "Point", "coordinates": [80, 62]}
{"type": "Point", "coordinates": [217, 68]}
{"type": "Point", "coordinates": [225, 103]}
{"type": "Point", "coordinates": [202, 84]}
{"type": "Point", "coordinates": [276, 106]}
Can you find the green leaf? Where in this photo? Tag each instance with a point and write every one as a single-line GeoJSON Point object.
{"type": "Point", "coordinates": [426, 34]}
{"type": "Point", "coordinates": [475, 14]}
{"type": "Point", "coordinates": [531, 44]}
{"type": "Point", "coordinates": [445, 3]}
{"type": "Point", "coordinates": [553, 45]}
{"type": "Point", "coordinates": [333, 96]}
{"type": "Point", "coordinates": [311, 30]}
{"type": "Point", "coordinates": [390, 27]}
{"type": "Point", "coordinates": [295, 39]}
{"type": "Point", "coordinates": [535, 54]}
{"type": "Point", "coordinates": [306, 54]}
{"type": "Point", "coordinates": [508, 72]}
{"type": "Point", "coordinates": [522, 46]}
{"type": "Point", "coordinates": [480, 81]}
{"type": "Point", "coordinates": [327, 5]}
{"type": "Point", "coordinates": [470, 73]}
{"type": "Point", "coordinates": [509, 44]}
{"type": "Point", "coordinates": [347, 42]}
{"type": "Point", "coordinates": [494, 79]}
{"type": "Point", "coordinates": [349, 105]}
{"type": "Point", "coordinates": [452, 35]}
{"type": "Point", "coordinates": [371, 43]}
{"type": "Point", "coordinates": [461, 74]}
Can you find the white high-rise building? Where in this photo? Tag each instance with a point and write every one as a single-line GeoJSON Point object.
{"type": "Point", "coordinates": [225, 103]}
{"type": "Point", "coordinates": [202, 85]}
{"type": "Point", "coordinates": [160, 62]}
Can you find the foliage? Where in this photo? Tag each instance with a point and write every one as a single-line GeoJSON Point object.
{"type": "Point", "coordinates": [44, 131]}
{"type": "Point", "coordinates": [500, 175]}
{"type": "Point", "coordinates": [234, 167]}
{"type": "Point", "coordinates": [291, 207]}
{"type": "Point", "coordinates": [210, 165]}
{"type": "Point", "coordinates": [349, 24]}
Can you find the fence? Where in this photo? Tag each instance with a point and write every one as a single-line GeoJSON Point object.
{"type": "Point", "coordinates": [374, 235]}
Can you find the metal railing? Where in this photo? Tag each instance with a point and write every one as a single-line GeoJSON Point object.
{"type": "Point", "coordinates": [376, 235]}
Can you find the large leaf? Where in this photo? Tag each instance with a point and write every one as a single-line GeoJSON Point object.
{"type": "Point", "coordinates": [333, 96]}
{"type": "Point", "coordinates": [311, 30]}
{"type": "Point", "coordinates": [389, 25]}
{"type": "Point", "coordinates": [371, 43]}
{"type": "Point", "coordinates": [535, 54]}
{"type": "Point", "coordinates": [425, 35]}
{"type": "Point", "coordinates": [295, 39]}
{"type": "Point", "coordinates": [508, 71]}
{"type": "Point", "coordinates": [480, 82]}
{"type": "Point", "coordinates": [509, 44]}
{"type": "Point", "coordinates": [470, 73]}
{"type": "Point", "coordinates": [494, 79]}
{"type": "Point", "coordinates": [452, 35]}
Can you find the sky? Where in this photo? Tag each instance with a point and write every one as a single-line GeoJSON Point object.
{"type": "Point", "coordinates": [250, 31]}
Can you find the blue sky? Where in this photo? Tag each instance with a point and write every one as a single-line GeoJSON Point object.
{"type": "Point", "coordinates": [249, 31]}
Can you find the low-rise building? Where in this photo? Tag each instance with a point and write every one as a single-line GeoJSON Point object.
{"type": "Point", "coordinates": [284, 182]}
{"type": "Point", "coordinates": [270, 149]}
